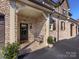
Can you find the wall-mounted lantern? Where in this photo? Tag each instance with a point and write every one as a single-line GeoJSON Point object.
{"type": "Point", "coordinates": [30, 26]}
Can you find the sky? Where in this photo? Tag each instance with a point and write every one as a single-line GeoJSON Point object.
{"type": "Point", "coordinates": [74, 8]}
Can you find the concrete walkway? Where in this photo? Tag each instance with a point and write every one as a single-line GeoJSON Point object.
{"type": "Point", "coordinates": [65, 49]}
{"type": "Point", "coordinates": [1, 57]}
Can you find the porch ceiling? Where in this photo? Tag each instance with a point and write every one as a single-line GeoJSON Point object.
{"type": "Point", "coordinates": [30, 12]}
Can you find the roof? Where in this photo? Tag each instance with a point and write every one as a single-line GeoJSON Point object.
{"type": "Point", "coordinates": [67, 3]}
{"type": "Point", "coordinates": [63, 17]}
{"type": "Point", "coordinates": [51, 11]}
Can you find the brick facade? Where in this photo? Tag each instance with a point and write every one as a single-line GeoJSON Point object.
{"type": "Point", "coordinates": [63, 34]}
{"type": "Point", "coordinates": [66, 33]}
{"type": "Point", "coordinates": [39, 24]}
{"type": "Point", "coordinates": [5, 9]}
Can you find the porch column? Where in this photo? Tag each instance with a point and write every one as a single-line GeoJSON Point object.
{"type": "Point", "coordinates": [47, 27]}
{"type": "Point", "coordinates": [12, 22]}
{"type": "Point", "coordinates": [57, 26]}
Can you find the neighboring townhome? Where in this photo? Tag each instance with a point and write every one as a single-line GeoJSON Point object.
{"type": "Point", "coordinates": [78, 26]}
{"type": "Point", "coordinates": [62, 26]}
{"type": "Point", "coordinates": [28, 22]}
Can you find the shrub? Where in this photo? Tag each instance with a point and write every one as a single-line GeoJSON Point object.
{"type": "Point", "coordinates": [10, 51]}
{"type": "Point", "coordinates": [51, 40]}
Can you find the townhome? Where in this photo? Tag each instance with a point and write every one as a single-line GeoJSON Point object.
{"type": "Point", "coordinates": [28, 22]}
{"type": "Point", "coordinates": [62, 26]}
{"type": "Point", "coordinates": [78, 26]}
{"type": "Point", "coordinates": [24, 21]}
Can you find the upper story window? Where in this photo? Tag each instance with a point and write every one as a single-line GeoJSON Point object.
{"type": "Point", "coordinates": [52, 26]}
{"type": "Point", "coordinates": [62, 25]}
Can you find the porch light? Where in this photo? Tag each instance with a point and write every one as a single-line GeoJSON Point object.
{"type": "Point", "coordinates": [30, 26]}
{"type": "Point", "coordinates": [68, 9]}
{"type": "Point", "coordinates": [43, 2]}
{"type": "Point", "coordinates": [68, 17]}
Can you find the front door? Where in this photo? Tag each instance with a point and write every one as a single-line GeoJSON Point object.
{"type": "Point", "coordinates": [71, 29]}
{"type": "Point", "coordinates": [2, 31]}
{"type": "Point", "coordinates": [23, 32]}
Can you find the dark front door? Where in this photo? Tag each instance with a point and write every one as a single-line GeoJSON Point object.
{"type": "Point", "coordinates": [71, 29]}
{"type": "Point", "coordinates": [2, 31]}
{"type": "Point", "coordinates": [23, 32]}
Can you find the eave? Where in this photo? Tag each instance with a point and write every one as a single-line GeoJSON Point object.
{"type": "Point", "coordinates": [36, 5]}
{"type": "Point", "coordinates": [47, 9]}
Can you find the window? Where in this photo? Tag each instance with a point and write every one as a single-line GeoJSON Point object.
{"type": "Point", "coordinates": [62, 25]}
{"type": "Point", "coordinates": [50, 27]}
{"type": "Point", "coordinates": [54, 25]}
{"type": "Point", "coordinates": [76, 29]}
{"type": "Point", "coordinates": [2, 30]}
{"type": "Point", "coordinates": [71, 29]}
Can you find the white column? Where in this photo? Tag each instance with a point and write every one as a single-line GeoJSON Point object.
{"type": "Point", "coordinates": [46, 27]}
{"type": "Point", "coordinates": [57, 29]}
{"type": "Point", "coordinates": [12, 22]}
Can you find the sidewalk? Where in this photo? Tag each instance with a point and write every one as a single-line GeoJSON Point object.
{"type": "Point", "coordinates": [65, 49]}
{"type": "Point", "coordinates": [1, 55]}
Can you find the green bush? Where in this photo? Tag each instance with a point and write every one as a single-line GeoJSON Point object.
{"type": "Point", "coordinates": [51, 40]}
{"type": "Point", "coordinates": [10, 51]}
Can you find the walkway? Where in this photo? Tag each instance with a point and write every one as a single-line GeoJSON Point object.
{"type": "Point", "coordinates": [65, 49]}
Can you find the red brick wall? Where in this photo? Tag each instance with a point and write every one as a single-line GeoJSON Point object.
{"type": "Point", "coordinates": [65, 4]}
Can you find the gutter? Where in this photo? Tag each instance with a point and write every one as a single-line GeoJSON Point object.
{"type": "Point", "coordinates": [39, 6]}
{"type": "Point", "coordinates": [45, 7]}
{"type": "Point", "coordinates": [63, 16]}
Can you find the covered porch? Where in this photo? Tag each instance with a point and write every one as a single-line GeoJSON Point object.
{"type": "Point", "coordinates": [32, 24]}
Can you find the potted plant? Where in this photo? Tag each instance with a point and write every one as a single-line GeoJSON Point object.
{"type": "Point", "coordinates": [51, 40]}
{"type": "Point", "coordinates": [11, 51]}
